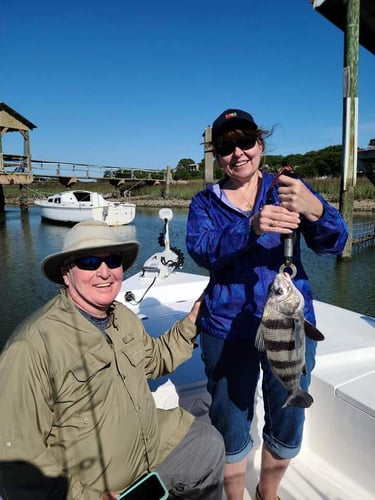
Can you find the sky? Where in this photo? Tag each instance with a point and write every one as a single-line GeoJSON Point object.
{"type": "Point", "coordinates": [134, 83]}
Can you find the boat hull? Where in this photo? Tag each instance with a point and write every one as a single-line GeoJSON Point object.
{"type": "Point", "coordinates": [336, 460]}
{"type": "Point", "coordinates": [77, 206]}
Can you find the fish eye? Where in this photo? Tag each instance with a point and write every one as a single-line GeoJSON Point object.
{"type": "Point", "coordinates": [279, 291]}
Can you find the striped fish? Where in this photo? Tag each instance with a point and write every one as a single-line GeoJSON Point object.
{"type": "Point", "coordinates": [281, 334]}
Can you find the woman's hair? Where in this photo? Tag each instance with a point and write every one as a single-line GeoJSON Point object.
{"type": "Point", "coordinates": [232, 134]}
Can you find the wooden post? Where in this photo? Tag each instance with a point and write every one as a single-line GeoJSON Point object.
{"type": "Point", "coordinates": [350, 120]}
{"type": "Point", "coordinates": [1, 152]}
{"type": "Point", "coordinates": [2, 200]}
{"type": "Point", "coordinates": [208, 157]}
{"type": "Point", "coordinates": [26, 149]}
{"type": "Point", "coordinates": [23, 199]}
{"type": "Point", "coordinates": [168, 182]}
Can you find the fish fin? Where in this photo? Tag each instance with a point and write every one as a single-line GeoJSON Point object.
{"type": "Point", "coordinates": [304, 370]}
{"type": "Point", "coordinates": [312, 332]}
{"type": "Point", "coordinates": [300, 399]}
{"type": "Point", "coordinates": [259, 339]}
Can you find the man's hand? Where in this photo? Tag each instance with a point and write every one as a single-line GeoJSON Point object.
{"type": "Point", "coordinates": [194, 313]}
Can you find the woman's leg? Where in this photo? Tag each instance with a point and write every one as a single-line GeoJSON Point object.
{"type": "Point", "coordinates": [234, 479]}
{"type": "Point", "coordinates": [272, 471]}
{"type": "Point", "coordinates": [232, 369]}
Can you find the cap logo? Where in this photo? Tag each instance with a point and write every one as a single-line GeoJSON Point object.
{"type": "Point", "coordinates": [230, 115]}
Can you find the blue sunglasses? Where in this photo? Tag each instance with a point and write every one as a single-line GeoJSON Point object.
{"type": "Point", "coordinates": [92, 262]}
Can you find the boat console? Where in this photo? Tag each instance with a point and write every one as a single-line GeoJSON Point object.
{"type": "Point", "coordinates": [163, 263]}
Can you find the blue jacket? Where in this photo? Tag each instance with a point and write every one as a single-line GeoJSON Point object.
{"type": "Point", "coordinates": [242, 264]}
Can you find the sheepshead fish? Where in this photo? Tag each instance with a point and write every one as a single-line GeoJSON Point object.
{"type": "Point", "coordinates": [281, 334]}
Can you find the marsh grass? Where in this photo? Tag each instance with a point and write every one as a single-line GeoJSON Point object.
{"type": "Point", "coordinates": [184, 190]}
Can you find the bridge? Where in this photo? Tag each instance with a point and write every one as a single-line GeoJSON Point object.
{"type": "Point", "coordinates": [18, 169]}
{"type": "Point", "coordinates": [22, 171]}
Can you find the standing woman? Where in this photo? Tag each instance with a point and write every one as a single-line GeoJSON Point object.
{"type": "Point", "coordinates": [235, 230]}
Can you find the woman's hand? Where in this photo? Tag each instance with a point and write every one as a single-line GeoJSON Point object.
{"type": "Point", "coordinates": [275, 219]}
{"type": "Point", "coordinates": [295, 196]}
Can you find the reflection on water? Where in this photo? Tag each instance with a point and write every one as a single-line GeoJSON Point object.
{"type": "Point", "coordinates": [25, 240]}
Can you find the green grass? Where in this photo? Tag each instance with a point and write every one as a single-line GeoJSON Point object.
{"type": "Point", "coordinates": [329, 188]}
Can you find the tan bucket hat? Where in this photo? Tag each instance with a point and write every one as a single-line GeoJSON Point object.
{"type": "Point", "coordinates": [87, 238]}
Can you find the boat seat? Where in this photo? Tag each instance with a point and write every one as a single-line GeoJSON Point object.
{"type": "Point", "coordinates": [360, 393]}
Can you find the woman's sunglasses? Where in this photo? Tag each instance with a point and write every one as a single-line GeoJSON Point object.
{"type": "Point", "coordinates": [92, 262]}
{"type": "Point", "coordinates": [227, 148]}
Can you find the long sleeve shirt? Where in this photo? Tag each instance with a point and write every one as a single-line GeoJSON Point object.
{"type": "Point", "coordinates": [76, 404]}
{"type": "Point", "coordinates": [243, 264]}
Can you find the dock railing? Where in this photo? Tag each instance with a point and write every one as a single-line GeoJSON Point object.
{"type": "Point", "coordinates": [16, 164]}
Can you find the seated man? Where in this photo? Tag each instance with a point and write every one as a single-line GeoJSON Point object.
{"type": "Point", "coordinates": [77, 416]}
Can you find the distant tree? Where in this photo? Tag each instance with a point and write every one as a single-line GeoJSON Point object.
{"type": "Point", "coordinates": [187, 169]}
{"type": "Point", "coordinates": [273, 162]}
{"type": "Point", "coordinates": [320, 163]}
{"type": "Point", "coordinates": [185, 163]}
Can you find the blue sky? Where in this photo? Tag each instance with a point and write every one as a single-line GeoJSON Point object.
{"type": "Point", "coordinates": [133, 83]}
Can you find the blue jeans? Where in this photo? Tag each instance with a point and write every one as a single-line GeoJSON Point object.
{"type": "Point", "coordinates": [233, 369]}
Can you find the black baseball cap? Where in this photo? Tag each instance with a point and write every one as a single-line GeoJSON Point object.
{"type": "Point", "coordinates": [229, 119]}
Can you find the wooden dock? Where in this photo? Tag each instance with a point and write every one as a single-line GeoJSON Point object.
{"type": "Point", "coordinates": [16, 171]}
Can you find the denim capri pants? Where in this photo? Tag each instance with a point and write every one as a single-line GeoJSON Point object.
{"type": "Point", "coordinates": [233, 369]}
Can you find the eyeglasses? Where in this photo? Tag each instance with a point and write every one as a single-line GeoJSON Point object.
{"type": "Point", "coordinates": [227, 148]}
{"type": "Point", "coordinates": [92, 262]}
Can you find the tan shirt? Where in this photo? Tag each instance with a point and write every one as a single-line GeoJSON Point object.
{"type": "Point", "coordinates": [73, 404]}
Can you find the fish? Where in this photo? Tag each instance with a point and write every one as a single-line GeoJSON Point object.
{"type": "Point", "coordinates": [281, 335]}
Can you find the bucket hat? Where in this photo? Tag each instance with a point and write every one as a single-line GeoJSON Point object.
{"type": "Point", "coordinates": [86, 238]}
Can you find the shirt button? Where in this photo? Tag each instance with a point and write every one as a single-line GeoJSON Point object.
{"type": "Point", "coordinates": [8, 444]}
{"type": "Point", "coordinates": [86, 420]}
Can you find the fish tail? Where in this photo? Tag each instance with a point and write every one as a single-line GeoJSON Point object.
{"type": "Point", "coordinates": [300, 399]}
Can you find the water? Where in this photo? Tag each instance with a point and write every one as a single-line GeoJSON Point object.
{"type": "Point", "coordinates": [25, 240]}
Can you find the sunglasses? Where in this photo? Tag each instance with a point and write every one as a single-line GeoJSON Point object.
{"type": "Point", "coordinates": [227, 148]}
{"type": "Point", "coordinates": [92, 262]}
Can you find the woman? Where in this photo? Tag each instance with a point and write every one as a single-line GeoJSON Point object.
{"type": "Point", "coordinates": [235, 230]}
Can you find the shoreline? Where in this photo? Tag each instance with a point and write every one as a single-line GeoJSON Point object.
{"type": "Point", "coordinates": [160, 202]}
{"type": "Point", "coordinates": [359, 206]}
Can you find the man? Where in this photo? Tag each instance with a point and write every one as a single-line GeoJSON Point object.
{"type": "Point", "coordinates": [78, 420]}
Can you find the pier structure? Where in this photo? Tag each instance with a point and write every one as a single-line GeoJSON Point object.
{"type": "Point", "coordinates": [11, 121]}
{"type": "Point", "coordinates": [21, 169]}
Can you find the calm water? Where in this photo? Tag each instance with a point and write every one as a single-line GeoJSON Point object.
{"type": "Point", "coordinates": [25, 240]}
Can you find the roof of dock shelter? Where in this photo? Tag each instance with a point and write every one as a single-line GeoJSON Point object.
{"type": "Point", "coordinates": [335, 12]}
{"type": "Point", "coordinates": [9, 118]}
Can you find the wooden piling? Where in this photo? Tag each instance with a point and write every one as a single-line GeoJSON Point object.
{"type": "Point", "coordinates": [350, 120]}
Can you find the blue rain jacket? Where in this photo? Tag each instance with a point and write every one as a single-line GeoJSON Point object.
{"type": "Point", "coordinates": [242, 264]}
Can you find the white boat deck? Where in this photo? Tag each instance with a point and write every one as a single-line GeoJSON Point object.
{"type": "Point", "coordinates": [336, 461]}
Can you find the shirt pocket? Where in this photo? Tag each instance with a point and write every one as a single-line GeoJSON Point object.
{"type": "Point", "coordinates": [134, 351]}
{"type": "Point", "coordinates": [86, 386]}
{"type": "Point", "coordinates": [89, 366]}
